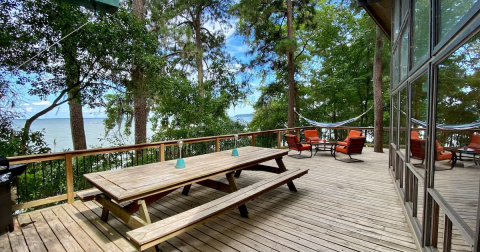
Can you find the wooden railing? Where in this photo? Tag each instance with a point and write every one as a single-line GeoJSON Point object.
{"type": "Point", "coordinates": [54, 177]}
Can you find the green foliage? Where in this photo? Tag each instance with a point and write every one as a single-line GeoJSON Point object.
{"type": "Point", "coordinates": [335, 72]}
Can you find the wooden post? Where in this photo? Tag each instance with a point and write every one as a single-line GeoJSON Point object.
{"type": "Point", "coordinates": [279, 139]}
{"type": "Point", "coordinates": [69, 173]}
{"type": "Point", "coordinates": [217, 144]}
{"type": "Point", "coordinates": [298, 134]}
{"type": "Point", "coordinates": [253, 140]}
{"type": "Point", "coordinates": [162, 152]}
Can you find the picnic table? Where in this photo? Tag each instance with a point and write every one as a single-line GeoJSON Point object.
{"type": "Point", "coordinates": [126, 191]}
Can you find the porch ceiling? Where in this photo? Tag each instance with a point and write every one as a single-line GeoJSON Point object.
{"type": "Point", "coordinates": [381, 12]}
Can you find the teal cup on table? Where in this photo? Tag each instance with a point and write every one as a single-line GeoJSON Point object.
{"type": "Point", "coordinates": [180, 164]}
{"type": "Point", "coordinates": [180, 161]}
{"type": "Point", "coordinates": [235, 151]}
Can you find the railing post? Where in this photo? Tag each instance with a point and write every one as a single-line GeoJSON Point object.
{"type": "Point", "coordinates": [69, 173]}
{"type": "Point", "coordinates": [217, 144]}
{"type": "Point", "coordinates": [298, 134]}
{"type": "Point", "coordinates": [162, 152]}
{"type": "Point", "coordinates": [279, 139]}
{"type": "Point", "coordinates": [253, 140]}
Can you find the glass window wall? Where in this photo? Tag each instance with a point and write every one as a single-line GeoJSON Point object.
{"type": "Point", "coordinates": [420, 33]}
{"type": "Point", "coordinates": [404, 54]}
{"type": "Point", "coordinates": [457, 166]}
{"type": "Point", "coordinates": [451, 12]}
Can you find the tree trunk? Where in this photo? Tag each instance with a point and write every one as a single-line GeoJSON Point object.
{"type": "Point", "coordinates": [139, 99]}
{"type": "Point", "coordinates": [377, 92]}
{"type": "Point", "coordinates": [291, 69]}
{"type": "Point", "coordinates": [76, 122]}
{"type": "Point", "coordinates": [199, 58]}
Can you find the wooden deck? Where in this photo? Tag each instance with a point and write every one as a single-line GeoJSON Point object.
{"type": "Point", "coordinates": [338, 207]}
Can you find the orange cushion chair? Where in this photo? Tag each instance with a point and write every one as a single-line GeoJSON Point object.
{"type": "Point", "coordinates": [354, 146]}
{"type": "Point", "coordinates": [352, 133]}
{"type": "Point", "coordinates": [414, 135]}
{"type": "Point", "coordinates": [311, 136]}
{"type": "Point", "coordinates": [294, 144]}
{"type": "Point", "coordinates": [475, 143]}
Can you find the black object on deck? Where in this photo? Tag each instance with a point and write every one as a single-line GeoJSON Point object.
{"type": "Point", "coordinates": [7, 175]}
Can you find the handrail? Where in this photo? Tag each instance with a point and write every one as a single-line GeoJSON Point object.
{"type": "Point", "coordinates": [79, 153]}
{"type": "Point", "coordinates": [68, 156]}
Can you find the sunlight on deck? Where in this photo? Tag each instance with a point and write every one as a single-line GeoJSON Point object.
{"type": "Point", "coordinates": [338, 207]}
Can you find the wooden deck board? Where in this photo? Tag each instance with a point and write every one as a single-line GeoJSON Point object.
{"type": "Point", "coordinates": [338, 207]}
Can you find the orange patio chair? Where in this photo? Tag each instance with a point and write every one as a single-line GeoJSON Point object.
{"type": "Point", "coordinates": [352, 133]}
{"type": "Point", "coordinates": [294, 144]}
{"type": "Point", "coordinates": [354, 146]}
{"type": "Point", "coordinates": [475, 143]}
{"type": "Point", "coordinates": [311, 136]}
{"type": "Point", "coordinates": [417, 149]}
{"type": "Point", "coordinates": [414, 135]}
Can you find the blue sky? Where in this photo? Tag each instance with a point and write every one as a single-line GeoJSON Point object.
{"type": "Point", "coordinates": [234, 45]}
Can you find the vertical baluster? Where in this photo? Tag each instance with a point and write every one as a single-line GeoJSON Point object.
{"type": "Point", "coordinates": [27, 198]}
{"type": "Point", "coordinates": [43, 193]}
{"type": "Point", "coordinates": [415, 196]}
{"type": "Point", "coordinates": [34, 179]}
{"type": "Point", "coordinates": [59, 176]}
{"type": "Point", "coordinates": [51, 179]}
{"type": "Point", "coordinates": [447, 235]}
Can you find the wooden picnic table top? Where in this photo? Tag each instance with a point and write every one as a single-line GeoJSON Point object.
{"type": "Point", "coordinates": [146, 180]}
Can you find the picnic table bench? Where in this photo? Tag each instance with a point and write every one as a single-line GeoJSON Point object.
{"type": "Point", "coordinates": [126, 191]}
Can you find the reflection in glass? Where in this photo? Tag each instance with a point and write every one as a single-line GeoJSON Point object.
{"type": "Point", "coordinates": [458, 102]}
{"type": "Point", "coordinates": [396, 69]}
{"type": "Point", "coordinates": [451, 11]}
{"type": "Point", "coordinates": [395, 121]}
{"type": "Point", "coordinates": [403, 118]}
{"type": "Point", "coordinates": [404, 8]}
{"type": "Point", "coordinates": [404, 54]}
{"type": "Point", "coordinates": [419, 112]}
{"type": "Point", "coordinates": [420, 30]}
{"type": "Point", "coordinates": [396, 19]}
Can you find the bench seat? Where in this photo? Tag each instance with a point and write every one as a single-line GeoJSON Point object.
{"type": "Point", "coordinates": [89, 194]}
{"type": "Point", "coordinates": [153, 234]}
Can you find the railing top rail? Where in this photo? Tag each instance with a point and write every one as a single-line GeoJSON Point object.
{"type": "Point", "coordinates": [79, 153]}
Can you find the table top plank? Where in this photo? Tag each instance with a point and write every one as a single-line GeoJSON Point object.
{"type": "Point", "coordinates": [126, 184]}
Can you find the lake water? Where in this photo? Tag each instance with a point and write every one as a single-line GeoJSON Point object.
{"type": "Point", "coordinates": [58, 135]}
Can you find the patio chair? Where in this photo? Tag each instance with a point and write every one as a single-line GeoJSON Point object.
{"type": "Point", "coordinates": [414, 135]}
{"type": "Point", "coordinates": [352, 133]}
{"type": "Point", "coordinates": [294, 144]}
{"type": "Point", "coordinates": [311, 137]}
{"type": "Point", "coordinates": [417, 149]}
{"type": "Point", "coordinates": [353, 146]}
{"type": "Point", "coordinates": [475, 142]}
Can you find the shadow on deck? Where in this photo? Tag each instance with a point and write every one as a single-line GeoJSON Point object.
{"type": "Point", "coordinates": [338, 207]}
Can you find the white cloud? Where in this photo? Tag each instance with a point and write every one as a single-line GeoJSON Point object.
{"type": "Point", "coordinates": [26, 104]}
{"type": "Point", "coordinates": [29, 109]}
{"type": "Point", "coordinates": [42, 103]}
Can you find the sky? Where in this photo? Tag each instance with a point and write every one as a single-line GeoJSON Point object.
{"type": "Point", "coordinates": [234, 45]}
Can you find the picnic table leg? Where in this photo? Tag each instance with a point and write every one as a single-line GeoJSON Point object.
{"type": "Point", "coordinates": [237, 173]}
{"type": "Point", "coordinates": [105, 211]}
{"type": "Point", "coordinates": [143, 212]}
{"type": "Point", "coordinates": [281, 166]}
{"type": "Point", "coordinates": [233, 185]}
{"type": "Point", "coordinates": [186, 189]}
